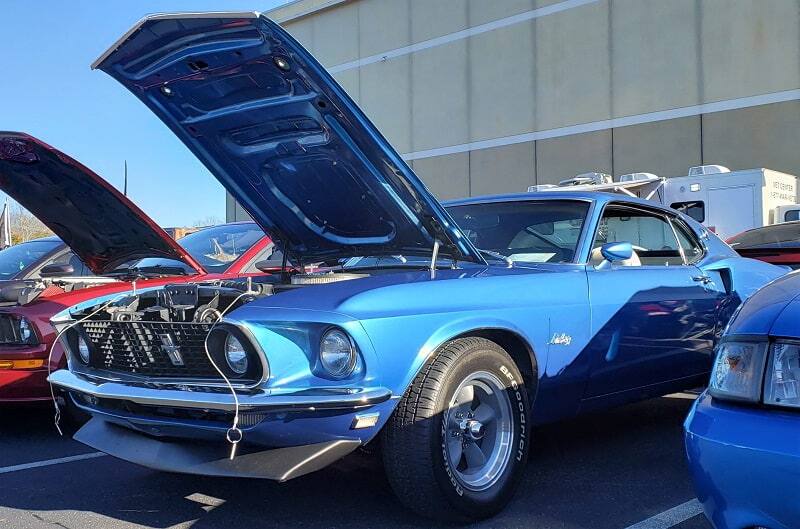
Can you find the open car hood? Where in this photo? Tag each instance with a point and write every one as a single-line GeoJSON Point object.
{"type": "Point", "coordinates": [282, 136]}
{"type": "Point", "coordinates": [96, 221]}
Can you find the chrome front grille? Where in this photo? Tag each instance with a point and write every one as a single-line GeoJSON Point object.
{"type": "Point", "coordinates": [153, 349]}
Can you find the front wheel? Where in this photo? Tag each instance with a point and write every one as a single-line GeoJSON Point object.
{"type": "Point", "coordinates": [456, 446]}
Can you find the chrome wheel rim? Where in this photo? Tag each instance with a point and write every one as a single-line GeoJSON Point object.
{"type": "Point", "coordinates": [478, 431]}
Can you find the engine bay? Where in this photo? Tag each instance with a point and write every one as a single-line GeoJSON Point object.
{"type": "Point", "coordinates": [202, 302]}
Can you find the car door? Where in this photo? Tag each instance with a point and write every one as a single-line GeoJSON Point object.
{"type": "Point", "coordinates": [651, 314]}
{"type": "Point", "coordinates": [717, 283]}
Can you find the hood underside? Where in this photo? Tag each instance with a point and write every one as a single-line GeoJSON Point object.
{"type": "Point", "coordinates": [96, 221]}
{"type": "Point", "coordinates": [282, 136]}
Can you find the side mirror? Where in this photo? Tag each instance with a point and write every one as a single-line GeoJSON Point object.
{"type": "Point", "coordinates": [615, 252]}
{"type": "Point", "coordinates": [56, 270]}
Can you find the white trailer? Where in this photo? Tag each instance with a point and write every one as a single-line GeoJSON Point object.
{"type": "Point", "coordinates": [730, 202]}
{"type": "Point", "coordinates": [727, 202]}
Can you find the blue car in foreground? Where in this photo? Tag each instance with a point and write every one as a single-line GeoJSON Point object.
{"type": "Point", "coordinates": [443, 333]}
{"type": "Point", "coordinates": [743, 434]}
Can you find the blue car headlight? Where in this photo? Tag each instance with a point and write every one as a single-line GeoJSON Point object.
{"type": "Point", "coordinates": [337, 353]}
{"type": "Point", "coordinates": [783, 376]}
{"type": "Point", "coordinates": [235, 355]}
{"type": "Point", "coordinates": [738, 371]}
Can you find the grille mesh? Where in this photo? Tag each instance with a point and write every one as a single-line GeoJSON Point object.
{"type": "Point", "coordinates": [137, 347]}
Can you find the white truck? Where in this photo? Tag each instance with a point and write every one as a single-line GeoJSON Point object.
{"type": "Point", "coordinates": [727, 202]}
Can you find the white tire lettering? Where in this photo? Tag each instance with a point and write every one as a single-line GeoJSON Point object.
{"type": "Point", "coordinates": [521, 407]}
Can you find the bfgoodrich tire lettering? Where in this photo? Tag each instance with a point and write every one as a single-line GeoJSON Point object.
{"type": "Point", "coordinates": [419, 464]}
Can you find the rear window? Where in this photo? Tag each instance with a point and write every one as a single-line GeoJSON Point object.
{"type": "Point", "coordinates": [695, 209]}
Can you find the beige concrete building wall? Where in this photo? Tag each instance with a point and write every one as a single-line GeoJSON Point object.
{"type": "Point", "coordinates": [489, 97]}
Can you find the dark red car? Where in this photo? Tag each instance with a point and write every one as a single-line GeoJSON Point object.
{"type": "Point", "coordinates": [116, 241]}
{"type": "Point", "coordinates": [777, 244]}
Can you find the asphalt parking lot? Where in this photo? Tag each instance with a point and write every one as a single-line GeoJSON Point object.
{"type": "Point", "coordinates": [619, 469]}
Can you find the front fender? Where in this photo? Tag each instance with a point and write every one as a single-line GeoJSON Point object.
{"type": "Point", "coordinates": [407, 343]}
{"type": "Point", "coordinates": [472, 325]}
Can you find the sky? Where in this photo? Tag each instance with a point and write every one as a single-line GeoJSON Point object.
{"type": "Point", "coordinates": [48, 90]}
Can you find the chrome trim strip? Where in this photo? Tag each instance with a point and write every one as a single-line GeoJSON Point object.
{"type": "Point", "coordinates": [259, 399]}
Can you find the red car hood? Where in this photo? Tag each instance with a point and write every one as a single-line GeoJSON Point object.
{"type": "Point", "coordinates": [96, 221]}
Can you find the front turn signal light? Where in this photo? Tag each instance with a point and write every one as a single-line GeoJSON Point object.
{"type": "Point", "coordinates": [22, 364]}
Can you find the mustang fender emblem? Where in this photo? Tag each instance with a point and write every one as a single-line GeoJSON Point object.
{"type": "Point", "coordinates": [173, 351]}
{"type": "Point", "coordinates": [561, 339]}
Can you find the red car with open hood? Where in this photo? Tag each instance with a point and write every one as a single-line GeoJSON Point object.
{"type": "Point", "coordinates": [116, 241]}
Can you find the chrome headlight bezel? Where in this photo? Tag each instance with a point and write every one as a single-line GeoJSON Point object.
{"type": "Point", "coordinates": [338, 354]}
{"type": "Point", "coordinates": [738, 370]}
{"type": "Point", "coordinates": [72, 340]}
{"type": "Point", "coordinates": [256, 367]}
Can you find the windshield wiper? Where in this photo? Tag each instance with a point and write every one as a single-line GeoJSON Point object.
{"type": "Point", "coordinates": [497, 256]}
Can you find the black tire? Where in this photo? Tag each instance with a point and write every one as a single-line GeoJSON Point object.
{"type": "Point", "coordinates": [413, 441]}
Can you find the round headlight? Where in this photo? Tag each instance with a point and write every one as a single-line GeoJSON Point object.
{"type": "Point", "coordinates": [337, 354]}
{"type": "Point", "coordinates": [83, 349]}
{"type": "Point", "coordinates": [235, 355]}
{"type": "Point", "coordinates": [25, 330]}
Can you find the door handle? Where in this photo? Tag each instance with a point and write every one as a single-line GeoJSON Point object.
{"type": "Point", "coordinates": [702, 279]}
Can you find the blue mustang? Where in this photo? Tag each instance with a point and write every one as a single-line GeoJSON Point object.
{"type": "Point", "coordinates": [742, 435]}
{"type": "Point", "coordinates": [408, 333]}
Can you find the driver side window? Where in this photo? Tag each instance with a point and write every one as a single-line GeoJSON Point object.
{"type": "Point", "coordinates": [652, 237]}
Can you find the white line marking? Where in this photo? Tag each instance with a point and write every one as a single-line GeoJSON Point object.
{"type": "Point", "coordinates": [463, 34]}
{"type": "Point", "coordinates": [594, 126]}
{"type": "Point", "coordinates": [49, 462]}
{"type": "Point", "coordinates": [670, 517]}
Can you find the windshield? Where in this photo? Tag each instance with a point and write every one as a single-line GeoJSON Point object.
{"type": "Point", "coordinates": [214, 248]}
{"type": "Point", "coordinates": [543, 231]}
{"type": "Point", "coordinates": [17, 258]}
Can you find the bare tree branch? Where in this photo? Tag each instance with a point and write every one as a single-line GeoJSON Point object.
{"type": "Point", "coordinates": [25, 226]}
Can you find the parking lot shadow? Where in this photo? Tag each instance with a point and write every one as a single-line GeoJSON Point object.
{"type": "Point", "coordinates": [602, 470]}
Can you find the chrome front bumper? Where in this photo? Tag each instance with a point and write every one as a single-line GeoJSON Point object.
{"type": "Point", "coordinates": [256, 399]}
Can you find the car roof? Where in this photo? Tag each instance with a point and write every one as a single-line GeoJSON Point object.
{"type": "Point", "coordinates": [772, 227]}
{"type": "Point", "coordinates": [594, 196]}
{"type": "Point", "coordinates": [784, 235]}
